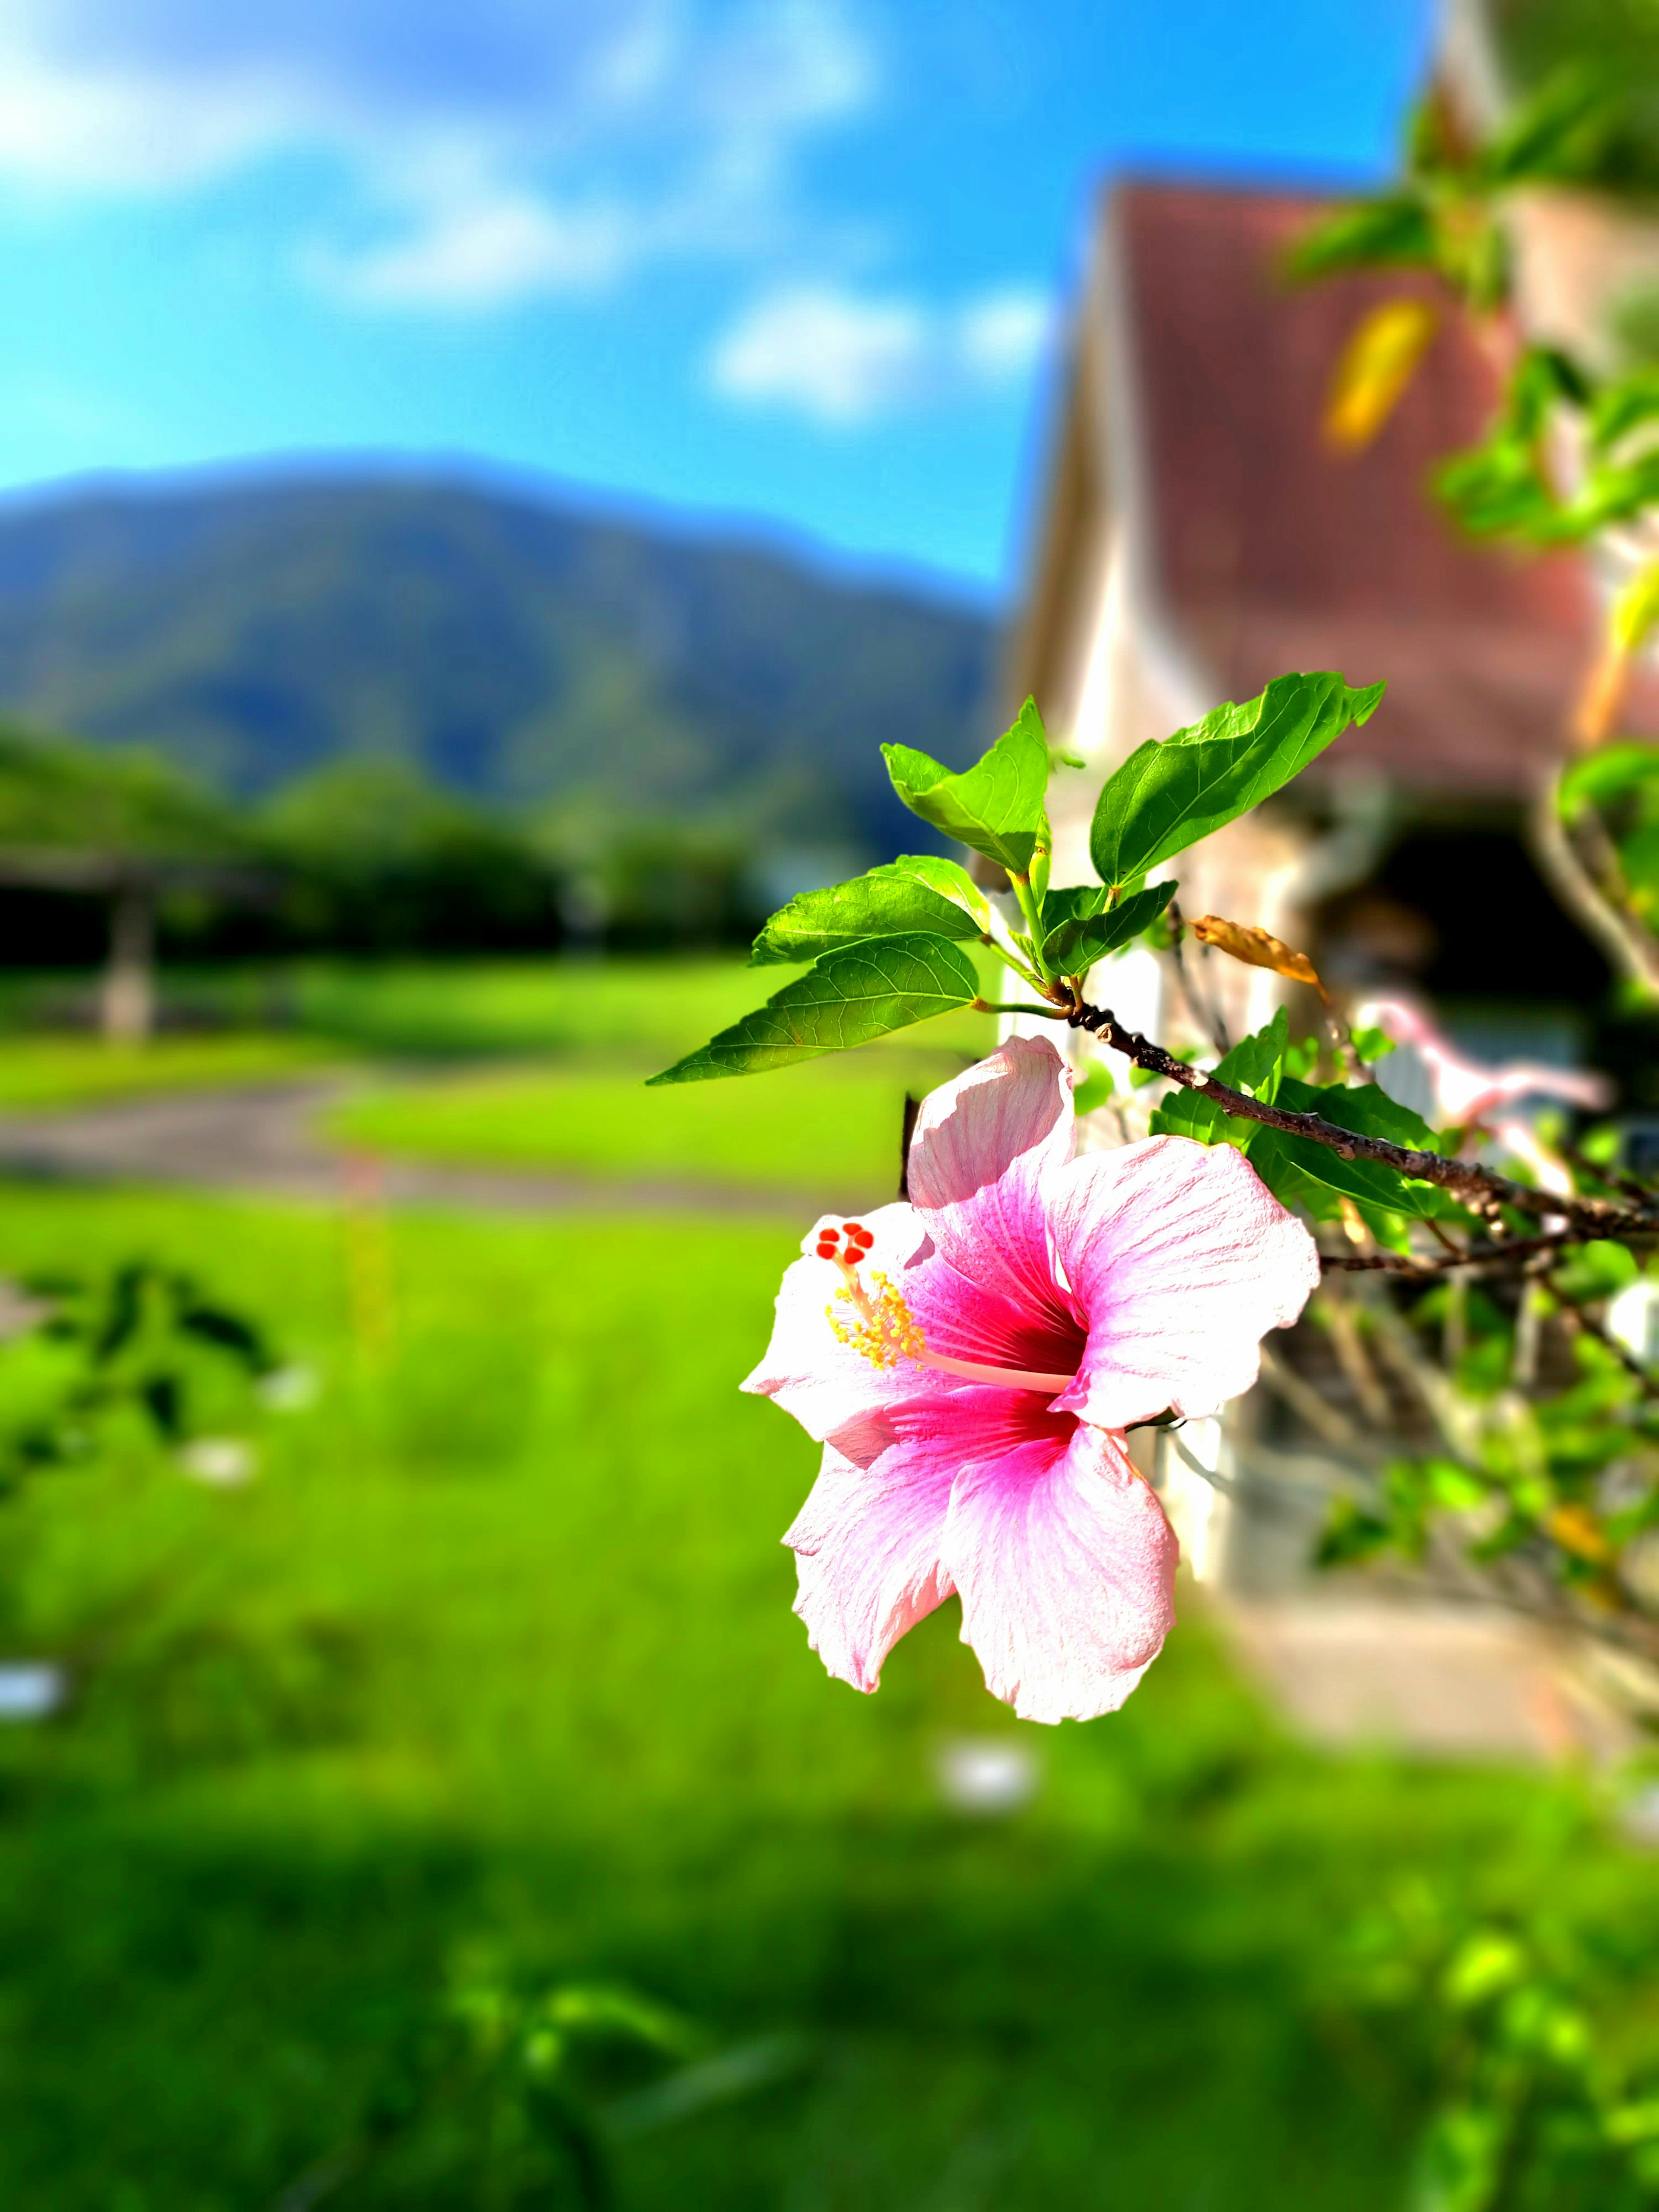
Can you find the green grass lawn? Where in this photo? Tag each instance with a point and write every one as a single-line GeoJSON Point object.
{"type": "Point", "coordinates": [833, 1125]}
{"type": "Point", "coordinates": [84, 1071]}
{"type": "Point", "coordinates": [654, 1007]}
{"type": "Point", "coordinates": [496, 1653]}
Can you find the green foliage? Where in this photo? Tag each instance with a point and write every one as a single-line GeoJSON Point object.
{"type": "Point", "coordinates": [1619, 784]}
{"type": "Point", "coordinates": [1567, 1477]}
{"type": "Point", "coordinates": [1299, 1172]}
{"type": "Point", "coordinates": [1072, 946]}
{"type": "Point", "coordinates": [1537, 39]}
{"type": "Point", "coordinates": [57, 793]}
{"type": "Point", "coordinates": [1097, 1090]}
{"type": "Point", "coordinates": [371, 854]}
{"type": "Point", "coordinates": [1505, 486]}
{"type": "Point", "coordinates": [495, 2099]}
{"type": "Point", "coordinates": [995, 807]}
{"type": "Point", "coordinates": [1557, 133]}
{"type": "Point", "coordinates": [915, 893]}
{"type": "Point", "coordinates": [1167, 796]}
{"type": "Point", "coordinates": [1394, 231]}
{"type": "Point", "coordinates": [1371, 1045]}
{"type": "Point", "coordinates": [889, 944]}
{"type": "Point", "coordinates": [1542, 2099]}
{"type": "Point", "coordinates": [1254, 1065]}
{"type": "Point", "coordinates": [853, 995]}
{"type": "Point", "coordinates": [523, 653]}
{"type": "Point", "coordinates": [1444, 215]}
{"type": "Point", "coordinates": [1370, 1112]}
{"type": "Point", "coordinates": [227, 1922]}
{"type": "Point", "coordinates": [92, 1350]}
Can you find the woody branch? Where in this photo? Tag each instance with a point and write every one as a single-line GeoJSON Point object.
{"type": "Point", "coordinates": [1482, 1189]}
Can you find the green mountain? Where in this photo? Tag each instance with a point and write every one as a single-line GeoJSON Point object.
{"type": "Point", "coordinates": [514, 648]}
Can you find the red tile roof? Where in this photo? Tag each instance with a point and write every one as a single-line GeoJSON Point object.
{"type": "Point", "coordinates": [1273, 552]}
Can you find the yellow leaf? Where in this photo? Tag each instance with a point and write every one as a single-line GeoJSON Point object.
{"type": "Point", "coordinates": [1632, 621]}
{"type": "Point", "coordinates": [1257, 948]}
{"type": "Point", "coordinates": [1597, 706]}
{"type": "Point", "coordinates": [1576, 1529]}
{"type": "Point", "coordinates": [1376, 366]}
{"type": "Point", "coordinates": [1636, 610]}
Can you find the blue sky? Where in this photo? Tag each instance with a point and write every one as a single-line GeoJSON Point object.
{"type": "Point", "coordinates": [795, 263]}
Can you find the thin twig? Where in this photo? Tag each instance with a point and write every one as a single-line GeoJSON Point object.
{"type": "Point", "coordinates": [1593, 1325]}
{"type": "Point", "coordinates": [1478, 1256]}
{"type": "Point", "coordinates": [1204, 1018]}
{"type": "Point", "coordinates": [1609, 1178]}
{"type": "Point", "coordinates": [1353, 1359]}
{"type": "Point", "coordinates": [1303, 1399]}
{"type": "Point", "coordinates": [1434, 1392]}
{"type": "Point", "coordinates": [1626, 944]}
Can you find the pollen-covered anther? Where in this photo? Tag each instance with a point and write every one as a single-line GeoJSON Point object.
{"type": "Point", "coordinates": [885, 1329]}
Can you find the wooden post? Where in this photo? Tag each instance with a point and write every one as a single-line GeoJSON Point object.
{"type": "Point", "coordinates": [129, 991]}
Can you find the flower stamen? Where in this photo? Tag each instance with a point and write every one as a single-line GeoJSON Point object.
{"type": "Point", "coordinates": [885, 1330]}
{"type": "Point", "coordinates": [885, 1327]}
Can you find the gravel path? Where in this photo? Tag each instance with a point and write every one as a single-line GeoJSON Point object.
{"type": "Point", "coordinates": [265, 1140]}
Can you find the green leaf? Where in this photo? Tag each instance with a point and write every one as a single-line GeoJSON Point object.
{"type": "Point", "coordinates": [1391, 233]}
{"type": "Point", "coordinates": [1628, 404]}
{"type": "Point", "coordinates": [1350, 1533]}
{"type": "Point", "coordinates": [1610, 773]}
{"type": "Point", "coordinates": [1072, 902]}
{"type": "Point", "coordinates": [1371, 1044]}
{"type": "Point", "coordinates": [1095, 1091]}
{"type": "Point", "coordinates": [1254, 1064]}
{"type": "Point", "coordinates": [916, 893]}
{"type": "Point", "coordinates": [1559, 131]}
{"type": "Point", "coordinates": [1499, 488]}
{"type": "Point", "coordinates": [1370, 1112]}
{"type": "Point", "coordinates": [857, 993]}
{"type": "Point", "coordinates": [1074, 948]}
{"type": "Point", "coordinates": [1166, 797]}
{"type": "Point", "coordinates": [1043, 859]}
{"type": "Point", "coordinates": [995, 807]}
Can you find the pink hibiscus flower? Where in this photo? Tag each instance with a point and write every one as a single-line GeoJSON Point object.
{"type": "Point", "coordinates": [1466, 1090]}
{"type": "Point", "coordinates": [970, 1360]}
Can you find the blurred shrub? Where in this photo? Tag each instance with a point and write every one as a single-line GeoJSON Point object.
{"type": "Point", "coordinates": [365, 855]}
{"type": "Point", "coordinates": [1618, 41]}
{"type": "Point", "coordinates": [372, 858]}
{"type": "Point", "coordinates": [667, 884]}
{"type": "Point", "coordinates": [1542, 2060]}
{"type": "Point", "coordinates": [503, 2097]}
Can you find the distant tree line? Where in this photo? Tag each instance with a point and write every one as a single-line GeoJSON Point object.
{"type": "Point", "coordinates": [365, 855]}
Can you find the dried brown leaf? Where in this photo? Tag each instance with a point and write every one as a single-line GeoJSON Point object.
{"type": "Point", "coordinates": [1257, 948]}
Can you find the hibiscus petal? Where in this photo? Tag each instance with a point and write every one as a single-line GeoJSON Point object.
{"type": "Point", "coordinates": [1181, 1260]}
{"type": "Point", "coordinates": [867, 1557]}
{"type": "Point", "coordinates": [963, 1320]}
{"type": "Point", "coordinates": [1066, 1565]}
{"type": "Point", "coordinates": [981, 1149]}
{"type": "Point", "coordinates": [823, 1382]}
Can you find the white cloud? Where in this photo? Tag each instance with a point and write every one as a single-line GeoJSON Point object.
{"type": "Point", "coordinates": [498, 148]}
{"type": "Point", "coordinates": [483, 253]}
{"type": "Point", "coordinates": [836, 358]}
{"type": "Point", "coordinates": [1003, 333]}
{"type": "Point", "coordinates": [844, 361]}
